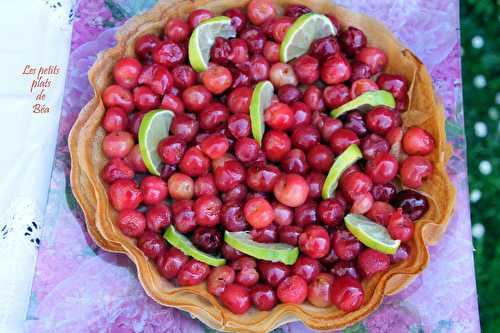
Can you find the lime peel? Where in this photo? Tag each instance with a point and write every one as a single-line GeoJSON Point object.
{"type": "Point", "coordinates": [371, 234]}
{"type": "Point", "coordinates": [181, 242]}
{"type": "Point", "coordinates": [154, 127]}
{"type": "Point", "coordinates": [242, 241]}
{"type": "Point", "coordinates": [261, 99]}
{"type": "Point", "coordinates": [348, 157]}
{"type": "Point", "coordinates": [365, 101]}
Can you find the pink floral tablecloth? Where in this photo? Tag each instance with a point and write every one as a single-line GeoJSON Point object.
{"type": "Point", "coordinates": [79, 288]}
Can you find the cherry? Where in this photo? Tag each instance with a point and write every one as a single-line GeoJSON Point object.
{"type": "Point", "coordinates": [131, 222]}
{"type": "Point", "coordinates": [291, 190]}
{"type": "Point", "coordinates": [238, 18]}
{"type": "Point", "coordinates": [280, 26]}
{"type": "Point", "coordinates": [145, 44]}
{"type": "Point", "coordinates": [360, 86]}
{"type": "Point", "coordinates": [346, 246]}
{"type": "Point", "coordinates": [354, 121]}
{"type": "Point", "coordinates": [347, 294]}
{"type": "Point", "coordinates": [239, 125]}
{"type": "Point", "coordinates": [375, 58]}
{"type": "Point", "coordinates": [126, 72]}
{"type": "Point", "coordinates": [170, 262]}
{"type": "Point", "coordinates": [289, 94]}
{"type": "Point", "coordinates": [417, 141]}
{"type": "Point", "coordinates": [230, 253]}
{"type": "Point", "coordinates": [336, 95]}
{"type": "Point", "coordinates": [118, 96]}
{"type": "Point", "coordinates": [154, 190]}
{"type": "Point", "coordinates": [328, 126]}
{"type": "Point", "coordinates": [232, 217]}
{"type": "Point", "coordinates": [301, 113]}
{"type": "Point", "coordinates": [185, 127]}
{"type": "Point", "coordinates": [373, 145]}
{"type": "Point", "coordinates": [145, 99]}
{"type": "Point", "coordinates": [217, 79]}
{"type": "Point", "coordinates": [172, 103]}
{"type": "Point", "coordinates": [324, 48]}
{"type": "Point", "coordinates": [157, 78]}
{"type": "Point", "coordinates": [306, 267]}
{"type": "Point", "coordinates": [196, 98]}
{"type": "Point", "coordinates": [282, 74]}
{"type": "Point", "coordinates": [331, 212]}
{"type": "Point", "coordinates": [306, 214]}
{"type": "Point", "coordinates": [295, 162]}
{"type": "Point", "coordinates": [254, 38]}
{"type": "Point", "coordinates": [276, 145]}
{"type": "Point", "coordinates": [229, 175]}
{"type": "Point", "coordinates": [236, 298]}
{"type": "Point", "coordinates": [352, 40]}
{"type": "Point", "coordinates": [320, 157]}
{"type": "Point", "coordinates": [380, 212]}
{"type": "Point", "coordinates": [383, 168]}
{"type": "Point", "coordinates": [259, 11]}
{"type": "Point", "coordinates": [400, 226]}
{"type": "Point", "coordinates": [295, 11]}
{"type": "Point", "coordinates": [192, 273]}
{"type": "Point", "coordinates": [246, 271]}
{"type": "Point", "coordinates": [184, 76]}
{"type": "Point", "coordinates": [319, 290]}
{"type": "Point", "coordinates": [263, 297]}
{"type": "Point", "coordinates": [283, 215]}
{"type": "Point", "coordinates": [336, 69]}
{"type": "Point", "coordinates": [158, 217]}
{"type": "Point", "coordinates": [380, 120]}
{"type": "Point", "coordinates": [215, 146]}
{"type": "Point", "coordinates": [117, 144]}
{"type": "Point", "coordinates": [313, 97]}
{"type": "Point", "coordinates": [207, 239]}
{"type": "Point", "coordinates": [167, 171]}
{"type": "Point", "coordinates": [395, 84]}
{"type": "Point", "coordinates": [273, 272]}
{"type": "Point", "coordinates": [402, 253]}
{"type": "Point", "coordinates": [236, 194]}
{"type": "Point", "coordinates": [116, 169]}
{"type": "Point", "coordinates": [177, 30]}
{"type": "Point", "coordinates": [384, 192]}
{"type": "Point", "coordinates": [306, 68]}
{"type": "Point", "coordinates": [414, 204]}
{"type": "Point", "coordinates": [220, 51]}
{"type": "Point", "coordinates": [184, 216]}
{"type": "Point", "coordinates": [279, 116]}
{"type": "Point", "coordinates": [207, 209]}
{"type": "Point", "coordinates": [271, 51]}
{"type": "Point", "coordinates": [262, 178]}
{"type": "Point", "coordinates": [214, 117]}
{"type": "Point", "coordinates": [414, 170]}
{"type": "Point", "coordinates": [124, 194]}
{"type": "Point", "coordinates": [258, 212]}
{"type": "Point", "coordinates": [394, 136]}
{"type": "Point", "coordinates": [199, 15]}
{"type": "Point", "coordinates": [341, 139]}
{"type": "Point", "coordinates": [289, 234]}
{"type": "Point", "coordinates": [194, 163]}
{"type": "Point", "coordinates": [151, 244]}
{"type": "Point", "coordinates": [239, 100]}
{"type": "Point", "coordinates": [169, 54]}
{"type": "Point", "coordinates": [305, 138]}
{"type": "Point", "coordinates": [239, 52]}
{"type": "Point", "coordinates": [362, 203]}
{"type": "Point", "coordinates": [171, 149]}
{"type": "Point", "coordinates": [355, 183]}
{"type": "Point", "coordinates": [180, 186]}
{"type": "Point", "coordinates": [292, 289]}
{"type": "Point", "coordinates": [115, 119]}
{"type": "Point", "coordinates": [330, 259]}
{"type": "Point", "coordinates": [343, 268]}
{"type": "Point", "coordinates": [219, 278]}
{"type": "Point", "coordinates": [314, 241]}
{"type": "Point", "coordinates": [371, 262]}
{"type": "Point", "coordinates": [360, 71]}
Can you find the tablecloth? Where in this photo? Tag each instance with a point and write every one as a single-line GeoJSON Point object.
{"type": "Point", "coordinates": [79, 288]}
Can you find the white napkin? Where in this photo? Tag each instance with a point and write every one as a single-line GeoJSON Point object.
{"type": "Point", "coordinates": [36, 36]}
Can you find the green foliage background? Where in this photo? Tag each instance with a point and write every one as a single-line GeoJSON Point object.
{"type": "Point", "coordinates": [482, 18]}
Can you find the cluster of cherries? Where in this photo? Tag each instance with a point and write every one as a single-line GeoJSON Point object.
{"type": "Point", "coordinates": [219, 178]}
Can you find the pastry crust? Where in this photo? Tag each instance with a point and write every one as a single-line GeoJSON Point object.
{"type": "Point", "coordinates": [87, 160]}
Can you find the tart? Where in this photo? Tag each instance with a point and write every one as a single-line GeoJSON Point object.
{"type": "Point", "coordinates": [263, 162]}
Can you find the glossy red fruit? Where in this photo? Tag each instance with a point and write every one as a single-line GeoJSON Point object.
{"type": "Point", "coordinates": [414, 204]}
{"type": "Point", "coordinates": [115, 119]}
{"type": "Point", "coordinates": [262, 178]}
{"type": "Point", "coordinates": [116, 169]}
{"type": "Point", "coordinates": [346, 246]}
{"type": "Point", "coordinates": [400, 226]}
{"type": "Point", "coordinates": [319, 290]}
{"type": "Point", "coordinates": [360, 86]}
{"type": "Point", "coordinates": [145, 99]}
{"type": "Point", "coordinates": [239, 100]}
{"type": "Point", "coordinates": [373, 145]}
{"type": "Point", "coordinates": [126, 72]}
{"type": "Point", "coordinates": [320, 158]}
{"type": "Point", "coordinates": [385, 192]}
{"type": "Point", "coordinates": [258, 212]}
{"type": "Point", "coordinates": [207, 209]}
{"type": "Point", "coordinates": [414, 170]}
{"type": "Point", "coordinates": [215, 146]}
{"type": "Point", "coordinates": [233, 218]}
{"type": "Point", "coordinates": [247, 274]}
{"type": "Point", "coordinates": [171, 150]}
{"type": "Point", "coordinates": [315, 181]}
{"type": "Point", "coordinates": [124, 194]}
{"type": "Point", "coordinates": [306, 214]}
{"type": "Point", "coordinates": [375, 58]}
{"type": "Point", "coordinates": [259, 11]}
{"type": "Point", "coordinates": [157, 78]}
{"type": "Point", "coordinates": [131, 222]}
{"type": "Point", "coordinates": [305, 138]}
{"type": "Point", "coordinates": [295, 11]}
{"type": "Point", "coordinates": [276, 144]}
{"type": "Point", "coordinates": [354, 121]}
{"type": "Point", "coordinates": [151, 244]}
{"type": "Point", "coordinates": [279, 116]}
{"type": "Point", "coordinates": [417, 141]}
{"type": "Point", "coordinates": [263, 297]}
{"type": "Point", "coordinates": [380, 212]}
{"type": "Point", "coordinates": [306, 267]}
{"type": "Point", "coordinates": [336, 69]}
{"type": "Point", "coordinates": [282, 74]}
{"type": "Point", "coordinates": [255, 39]}
{"type": "Point", "coordinates": [336, 95]}
{"type": "Point", "coordinates": [199, 15]}
{"type": "Point", "coordinates": [331, 212]}
{"type": "Point", "coordinates": [283, 215]}
{"type": "Point", "coordinates": [196, 98]}
{"type": "Point", "coordinates": [169, 54]}
{"type": "Point", "coordinates": [177, 30]}
{"type": "Point", "coordinates": [328, 127]}
{"type": "Point", "coordinates": [291, 190]}
{"type": "Point", "coordinates": [313, 97]}
{"type": "Point", "coordinates": [292, 289]}
{"type": "Point", "coordinates": [220, 51]}
{"type": "Point", "coordinates": [355, 183]}
{"type": "Point", "coordinates": [314, 241]}
{"type": "Point", "coordinates": [280, 26]}
{"type": "Point", "coordinates": [236, 298]}
{"type": "Point", "coordinates": [302, 114]}
{"type": "Point", "coordinates": [289, 94]}
{"type": "Point", "coordinates": [118, 96]}
{"type": "Point", "coordinates": [306, 68]}
{"type": "Point", "coordinates": [154, 190]}
{"type": "Point", "coordinates": [172, 103]}
{"type": "Point", "coordinates": [394, 83]}
{"type": "Point", "coordinates": [289, 234]}
{"type": "Point", "coordinates": [342, 268]}
{"type": "Point", "coordinates": [192, 273]}
{"type": "Point", "coordinates": [145, 44]}
{"type": "Point", "coordinates": [347, 294]}
{"type": "Point", "coordinates": [239, 125]}
{"type": "Point", "coordinates": [394, 136]}
{"type": "Point", "coordinates": [194, 163]}
{"type": "Point", "coordinates": [382, 169]}
{"type": "Point", "coordinates": [229, 175]}
{"type": "Point", "coordinates": [271, 51]}
{"type": "Point", "coordinates": [360, 71]}
{"type": "Point", "coordinates": [181, 186]}
{"type": "Point", "coordinates": [246, 150]}
{"type": "Point", "coordinates": [183, 76]}
{"type": "Point", "coordinates": [371, 262]}
{"type": "Point", "coordinates": [295, 162]}
{"type": "Point", "coordinates": [170, 262]}
{"type": "Point", "coordinates": [238, 18]}
{"type": "Point", "coordinates": [214, 117]}
{"type": "Point", "coordinates": [117, 144]}
{"type": "Point", "coordinates": [207, 239]}
{"type": "Point", "coordinates": [134, 160]}
{"type": "Point", "coordinates": [217, 79]}
{"type": "Point", "coordinates": [352, 40]}
{"type": "Point", "coordinates": [158, 217]}
{"type": "Point", "coordinates": [341, 139]}
{"type": "Point", "coordinates": [362, 203]}
{"type": "Point", "coordinates": [381, 120]}
{"type": "Point", "coordinates": [324, 48]}
{"type": "Point", "coordinates": [219, 278]}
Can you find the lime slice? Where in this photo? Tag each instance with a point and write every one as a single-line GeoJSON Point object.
{"type": "Point", "coordinates": [203, 38]}
{"type": "Point", "coordinates": [154, 127]}
{"type": "Point", "coordinates": [261, 99]}
{"type": "Point", "coordinates": [305, 30]}
{"type": "Point", "coordinates": [345, 160]}
{"type": "Point", "coordinates": [181, 242]}
{"type": "Point", "coordinates": [243, 242]}
{"type": "Point", "coordinates": [365, 101]}
{"type": "Point", "coordinates": [371, 234]}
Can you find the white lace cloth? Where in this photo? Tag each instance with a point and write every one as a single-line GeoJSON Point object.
{"type": "Point", "coordinates": [35, 33]}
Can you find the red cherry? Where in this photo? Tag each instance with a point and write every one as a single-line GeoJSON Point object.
{"type": "Point", "coordinates": [239, 100]}
{"type": "Point", "coordinates": [199, 15]}
{"type": "Point", "coordinates": [171, 150]}
{"type": "Point", "coordinates": [273, 272]}
{"type": "Point", "coordinates": [280, 27]}
{"type": "Point", "coordinates": [292, 289]}
{"type": "Point", "coordinates": [184, 216]}
{"type": "Point", "coordinates": [336, 95]}
{"type": "Point", "coordinates": [375, 58]}
{"type": "Point", "coordinates": [331, 212]}
{"type": "Point", "coordinates": [271, 51]}
{"type": "Point", "coordinates": [169, 54]}
{"type": "Point", "coordinates": [207, 209]}
{"type": "Point", "coordinates": [259, 11]}
{"type": "Point", "coordinates": [315, 241]}
{"type": "Point", "coordinates": [342, 268]}
{"type": "Point", "coordinates": [291, 190]}
{"type": "Point", "coordinates": [336, 69]}
{"type": "Point", "coordinates": [194, 163]}
{"type": "Point", "coordinates": [236, 298]}
{"type": "Point", "coordinates": [215, 146]}
{"type": "Point", "coordinates": [116, 169]}
{"type": "Point", "coordinates": [380, 212]}
{"type": "Point", "coordinates": [306, 267]}
{"type": "Point", "coordinates": [355, 183]}
{"type": "Point", "coordinates": [238, 18]}
{"type": "Point", "coordinates": [324, 48]}
{"type": "Point", "coordinates": [258, 212]}
{"type": "Point", "coordinates": [196, 98]}
{"type": "Point", "coordinates": [126, 72]}
{"type": "Point", "coordinates": [371, 262]}
{"type": "Point", "coordinates": [347, 294]}
{"type": "Point", "coordinates": [184, 76]}
{"type": "Point", "coordinates": [170, 262]}
{"type": "Point", "coordinates": [395, 84]}
{"type": "Point", "coordinates": [157, 78]}
{"type": "Point", "coordinates": [352, 40]}
{"type": "Point", "coordinates": [283, 215]}
{"type": "Point", "coordinates": [263, 297]}
{"type": "Point", "coordinates": [383, 168]}
{"type": "Point", "coordinates": [361, 86]}
{"type": "Point", "coordinates": [192, 273]}
{"type": "Point", "coordinates": [381, 120]}
{"type": "Point", "coordinates": [217, 79]}
{"type": "Point", "coordinates": [414, 170]}
{"type": "Point", "coordinates": [362, 203]}
{"type": "Point", "coordinates": [181, 186]}
{"type": "Point", "coordinates": [319, 290]}
{"type": "Point", "coordinates": [417, 141]}
{"type": "Point", "coordinates": [116, 95]}
{"type": "Point", "coordinates": [151, 244]}
{"type": "Point", "coordinates": [400, 226]}
{"type": "Point", "coordinates": [172, 103]}
{"type": "Point", "coordinates": [145, 44]}
{"type": "Point", "coordinates": [219, 278]}
{"type": "Point", "coordinates": [131, 222]}
{"type": "Point", "coordinates": [158, 217]}
{"type": "Point", "coordinates": [320, 157]}
{"type": "Point", "coordinates": [177, 30]}
{"type": "Point", "coordinates": [341, 139]}
{"type": "Point", "coordinates": [154, 190]}
{"type": "Point", "coordinates": [124, 194]}
{"type": "Point", "coordinates": [276, 144]}
{"type": "Point", "coordinates": [346, 246]}
{"type": "Point", "coordinates": [306, 68]}
{"type": "Point", "coordinates": [313, 97]}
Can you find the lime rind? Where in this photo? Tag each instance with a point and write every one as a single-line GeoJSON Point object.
{"type": "Point", "coordinates": [371, 234]}
{"type": "Point", "coordinates": [365, 101]}
{"type": "Point", "coordinates": [154, 127]}
{"type": "Point", "coordinates": [242, 241]}
{"type": "Point", "coordinates": [203, 38]}
{"type": "Point", "coordinates": [348, 157]}
{"type": "Point", "coordinates": [181, 242]}
{"type": "Point", "coordinates": [261, 99]}
{"type": "Point", "coordinates": [305, 30]}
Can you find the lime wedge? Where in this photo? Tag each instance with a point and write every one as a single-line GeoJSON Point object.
{"type": "Point", "coordinates": [343, 161]}
{"type": "Point", "coordinates": [371, 234]}
{"type": "Point", "coordinates": [243, 242]}
{"type": "Point", "coordinates": [203, 38]}
{"type": "Point", "coordinates": [154, 127]}
{"type": "Point", "coordinates": [261, 99]}
{"type": "Point", "coordinates": [305, 30]}
{"type": "Point", "coordinates": [181, 242]}
{"type": "Point", "coordinates": [365, 101]}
